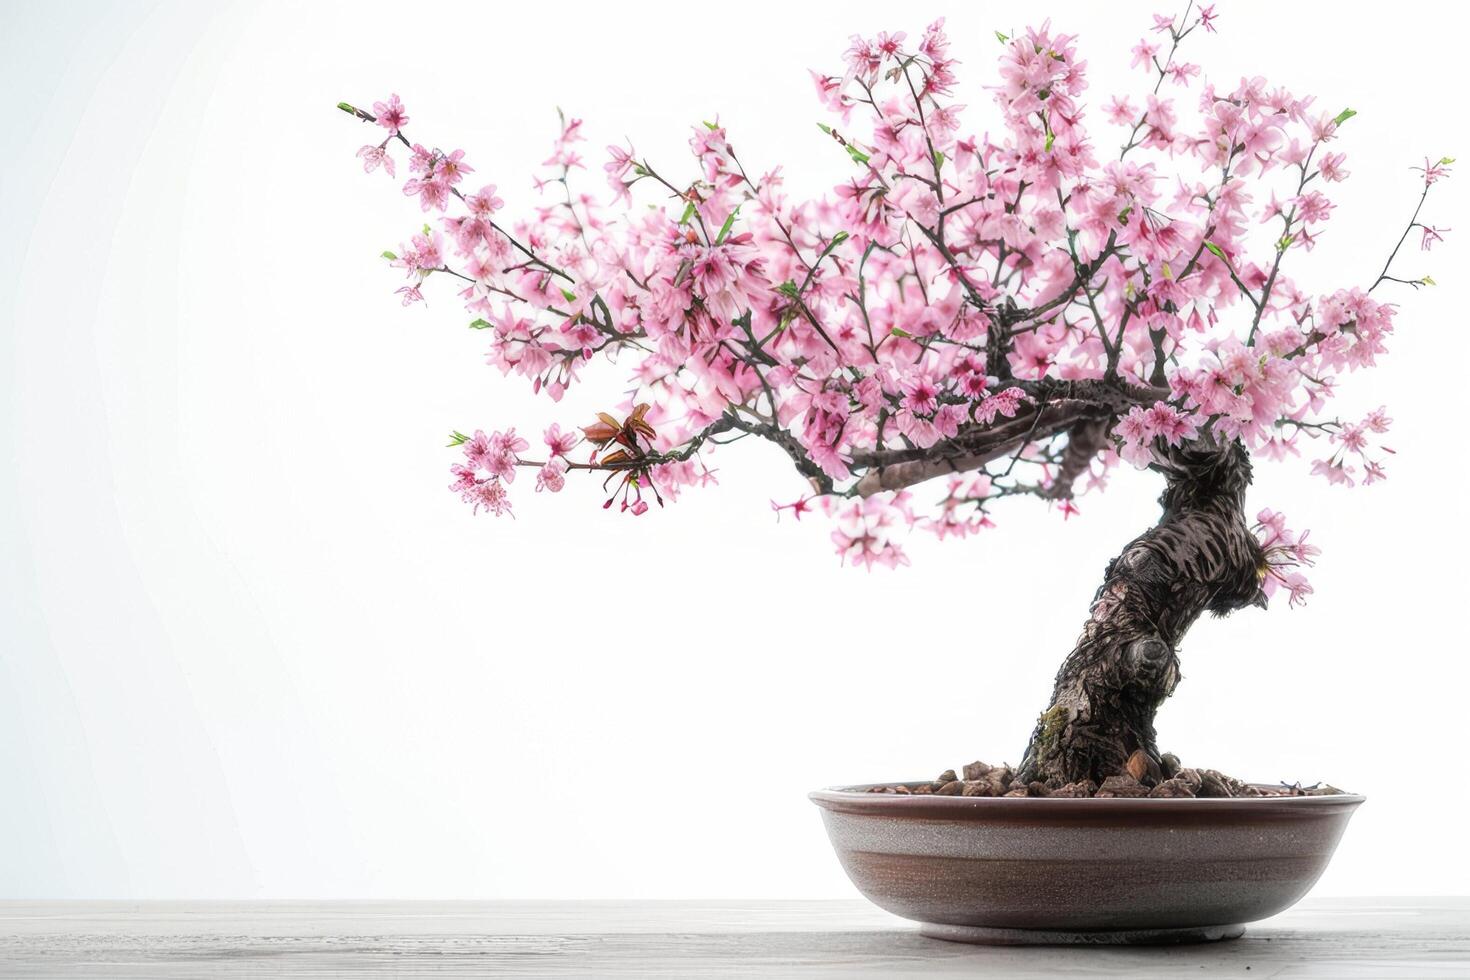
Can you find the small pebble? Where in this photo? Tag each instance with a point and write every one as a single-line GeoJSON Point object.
{"type": "Point", "coordinates": [1123, 786]}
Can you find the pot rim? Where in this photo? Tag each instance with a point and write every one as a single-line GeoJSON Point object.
{"type": "Point", "coordinates": [857, 799]}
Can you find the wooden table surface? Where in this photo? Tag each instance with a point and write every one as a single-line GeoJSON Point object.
{"type": "Point", "coordinates": [1337, 938]}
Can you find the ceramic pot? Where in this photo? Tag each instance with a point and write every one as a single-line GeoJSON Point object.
{"type": "Point", "coordinates": [1042, 870]}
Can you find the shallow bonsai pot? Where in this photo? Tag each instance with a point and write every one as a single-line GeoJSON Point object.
{"type": "Point", "coordinates": [1043, 870]}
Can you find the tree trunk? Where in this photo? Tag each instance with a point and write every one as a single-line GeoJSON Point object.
{"type": "Point", "coordinates": [1201, 555]}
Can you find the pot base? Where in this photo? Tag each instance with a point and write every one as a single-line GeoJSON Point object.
{"type": "Point", "coordinates": [992, 936]}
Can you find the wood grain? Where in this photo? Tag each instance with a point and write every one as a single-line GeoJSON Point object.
{"type": "Point", "coordinates": [1344, 939]}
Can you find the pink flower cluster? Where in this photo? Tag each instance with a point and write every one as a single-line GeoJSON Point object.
{"type": "Point", "coordinates": [491, 463]}
{"type": "Point", "coordinates": [957, 515]}
{"type": "Point", "coordinates": [496, 456]}
{"type": "Point", "coordinates": [1285, 553]}
{"type": "Point", "coordinates": [867, 531]}
{"type": "Point", "coordinates": [1353, 442]}
{"type": "Point", "coordinates": [945, 303]}
{"type": "Point", "coordinates": [1138, 430]}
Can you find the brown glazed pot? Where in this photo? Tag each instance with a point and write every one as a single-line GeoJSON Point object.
{"type": "Point", "coordinates": [1042, 870]}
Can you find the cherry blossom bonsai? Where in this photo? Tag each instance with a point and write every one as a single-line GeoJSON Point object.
{"type": "Point", "coordinates": [961, 320]}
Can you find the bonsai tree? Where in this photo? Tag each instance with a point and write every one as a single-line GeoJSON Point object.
{"type": "Point", "coordinates": [963, 319]}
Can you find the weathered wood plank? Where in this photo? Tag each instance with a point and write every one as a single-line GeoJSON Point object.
{"type": "Point", "coordinates": [1377, 938]}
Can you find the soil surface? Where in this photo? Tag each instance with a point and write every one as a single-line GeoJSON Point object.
{"type": "Point", "coordinates": [1141, 777]}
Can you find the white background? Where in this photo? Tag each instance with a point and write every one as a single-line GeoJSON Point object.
{"type": "Point", "coordinates": [251, 646]}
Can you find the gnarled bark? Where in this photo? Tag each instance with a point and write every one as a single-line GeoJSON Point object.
{"type": "Point", "coordinates": [1201, 555]}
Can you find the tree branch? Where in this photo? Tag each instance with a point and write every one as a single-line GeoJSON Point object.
{"type": "Point", "coordinates": [1083, 442]}
{"type": "Point", "coordinates": [969, 452]}
{"type": "Point", "coordinates": [820, 481]}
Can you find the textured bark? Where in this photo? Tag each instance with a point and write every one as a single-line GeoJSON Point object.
{"type": "Point", "coordinates": [1200, 556]}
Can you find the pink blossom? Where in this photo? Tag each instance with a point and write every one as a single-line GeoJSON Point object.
{"type": "Point", "coordinates": [1430, 235]}
{"type": "Point", "coordinates": [421, 253]}
{"type": "Point", "coordinates": [1351, 438]}
{"type": "Point", "coordinates": [1331, 167]}
{"type": "Point", "coordinates": [949, 419]}
{"type": "Point", "coordinates": [489, 494]}
{"type": "Point", "coordinates": [390, 114]}
{"type": "Point", "coordinates": [500, 458]}
{"type": "Point", "coordinates": [831, 460]}
{"type": "Point", "coordinates": [1313, 207]}
{"type": "Point", "coordinates": [920, 394]}
{"type": "Point", "coordinates": [1004, 404]}
{"type": "Point", "coordinates": [1433, 171]}
{"type": "Point", "coordinates": [374, 157]}
{"type": "Point", "coordinates": [1180, 72]}
{"type": "Point", "coordinates": [477, 450]}
{"type": "Point", "coordinates": [484, 203]}
{"type": "Point", "coordinates": [922, 432]}
{"type": "Point", "coordinates": [464, 478]}
{"type": "Point", "coordinates": [560, 443]}
{"type": "Point", "coordinates": [432, 194]}
{"type": "Point", "coordinates": [1335, 470]}
{"type": "Point", "coordinates": [889, 44]}
{"type": "Point", "coordinates": [552, 476]}
{"type": "Point", "coordinates": [619, 163]}
{"type": "Point", "coordinates": [1167, 422]}
{"type": "Point", "coordinates": [1136, 433]}
{"type": "Point", "coordinates": [1121, 111]}
{"type": "Point", "coordinates": [797, 507]}
{"type": "Point", "coordinates": [1144, 53]}
{"type": "Point", "coordinates": [451, 168]}
{"type": "Point", "coordinates": [970, 378]}
{"type": "Point", "coordinates": [863, 58]}
{"type": "Point", "coordinates": [829, 94]}
{"type": "Point", "coordinates": [421, 159]}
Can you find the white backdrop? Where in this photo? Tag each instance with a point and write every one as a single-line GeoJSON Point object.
{"type": "Point", "coordinates": [251, 646]}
